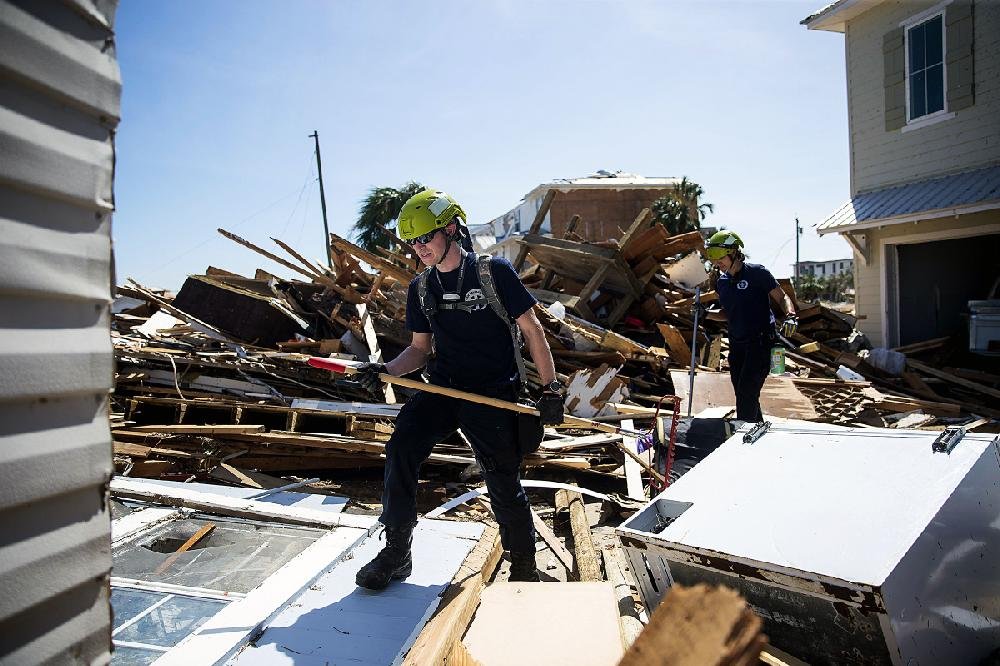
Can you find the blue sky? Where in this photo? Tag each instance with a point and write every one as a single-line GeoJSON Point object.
{"type": "Point", "coordinates": [484, 99]}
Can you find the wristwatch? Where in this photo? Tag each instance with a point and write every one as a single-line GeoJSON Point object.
{"type": "Point", "coordinates": [555, 386]}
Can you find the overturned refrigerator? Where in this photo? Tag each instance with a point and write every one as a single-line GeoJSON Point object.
{"type": "Point", "coordinates": [865, 546]}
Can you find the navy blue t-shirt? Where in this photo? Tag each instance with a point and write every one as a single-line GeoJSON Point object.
{"type": "Point", "coordinates": [473, 349]}
{"type": "Point", "coordinates": [744, 298]}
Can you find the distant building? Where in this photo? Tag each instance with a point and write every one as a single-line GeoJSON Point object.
{"type": "Point", "coordinates": [824, 268]}
{"type": "Point", "coordinates": [607, 203]}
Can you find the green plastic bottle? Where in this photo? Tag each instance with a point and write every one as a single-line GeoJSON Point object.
{"type": "Point", "coordinates": [777, 360]}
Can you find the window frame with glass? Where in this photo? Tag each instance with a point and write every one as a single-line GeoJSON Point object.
{"type": "Point", "coordinates": [916, 31]}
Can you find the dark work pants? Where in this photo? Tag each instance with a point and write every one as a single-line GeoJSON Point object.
{"type": "Point", "coordinates": [749, 363]}
{"type": "Point", "coordinates": [425, 420]}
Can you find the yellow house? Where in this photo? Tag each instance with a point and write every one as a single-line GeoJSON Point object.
{"type": "Point", "coordinates": [923, 82]}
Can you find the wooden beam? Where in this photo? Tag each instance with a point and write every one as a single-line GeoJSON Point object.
{"type": "Point", "coordinates": [536, 224]}
{"type": "Point", "coordinates": [861, 249]}
{"type": "Point", "coordinates": [940, 374]}
{"type": "Point", "coordinates": [699, 625]}
{"type": "Point", "coordinates": [186, 546]}
{"type": "Point", "coordinates": [458, 604]}
{"type": "Point", "coordinates": [552, 541]}
{"type": "Point", "coordinates": [588, 562]}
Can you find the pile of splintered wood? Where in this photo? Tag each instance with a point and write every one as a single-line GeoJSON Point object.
{"type": "Point", "coordinates": [641, 287]}
{"type": "Point", "coordinates": [216, 375]}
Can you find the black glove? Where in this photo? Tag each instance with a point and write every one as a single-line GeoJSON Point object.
{"type": "Point", "coordinates": [789, 325]}
{"type": "Point", "coordinates": [367, 375]}
{"type": "Point", "coordinates": [551, 408]}
{"type": "Point", "coordinates": [699, 310]}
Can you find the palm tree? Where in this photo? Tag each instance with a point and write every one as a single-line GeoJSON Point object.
{"type": "Point", "coordinates": [378, 211]}
{"type": "Point", "coordinates": [680, 211]}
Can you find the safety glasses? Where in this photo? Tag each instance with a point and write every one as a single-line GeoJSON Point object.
{"type": "Point", "coordinates": [425, 239]}
{"type": "Point", "coordinates": [715, 252]}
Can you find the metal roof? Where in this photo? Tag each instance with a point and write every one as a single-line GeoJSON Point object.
{"type": "Point", "coordinates": [946, 196]}
{"type": "Point", "coordinates": [834, 16]}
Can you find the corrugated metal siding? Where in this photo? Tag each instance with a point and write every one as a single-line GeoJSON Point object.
{"type": "Point", "coordinates": [882, 159]}
{"type": "Point", "coordinates": [59, 105]}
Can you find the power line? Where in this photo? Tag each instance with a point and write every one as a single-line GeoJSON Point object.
{"type": "Point", "coordinates": [232, 226]}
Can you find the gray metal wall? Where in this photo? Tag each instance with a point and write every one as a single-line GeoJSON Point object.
{"type": "Point", "coordinates": [59, 105]}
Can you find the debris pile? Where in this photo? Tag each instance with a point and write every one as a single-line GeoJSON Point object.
{"type": "Point", "coordinates": [216, 375]}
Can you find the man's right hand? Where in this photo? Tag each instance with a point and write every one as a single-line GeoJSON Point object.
{"type": "Point", "coordinates": [367, 374]}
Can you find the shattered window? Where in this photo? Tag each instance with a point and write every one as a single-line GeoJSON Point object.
{"type": "Point", "coordinates": [148, 623]}
{"type": "Point", "coordinates": [173, 579]}
{"type": "Point", "coordinates": [231, 556]}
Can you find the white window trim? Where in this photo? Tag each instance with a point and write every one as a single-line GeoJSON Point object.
{"type": "Point", "coordinates": [232, 627]}
{"type": "Point", "coordinates": [943, 114]}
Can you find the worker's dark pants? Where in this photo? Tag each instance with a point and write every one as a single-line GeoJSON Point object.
{"type": "Point", "coordinates": [425, 420]}
{"type": "Point", "coordinates": [749, 363]}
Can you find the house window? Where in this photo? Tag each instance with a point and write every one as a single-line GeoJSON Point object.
{"type": "Point", "coordinates": [925, 67]}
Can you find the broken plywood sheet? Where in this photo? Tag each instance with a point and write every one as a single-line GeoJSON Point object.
{"type": "Point", "coordinates": [588, 392]}
{"type": "Point", "coordinates": [530, 611]}
{"type": "Point", "coordinates": [779, 397]}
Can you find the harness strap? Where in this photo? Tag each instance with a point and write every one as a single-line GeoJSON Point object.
{"type": "Point", "coordinates": [490, 290]}
{"type": "Point", "coordinates": [430, 307]}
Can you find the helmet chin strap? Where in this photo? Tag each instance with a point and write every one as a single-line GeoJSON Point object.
{"type": "Point", "coordinates": [448, 240]}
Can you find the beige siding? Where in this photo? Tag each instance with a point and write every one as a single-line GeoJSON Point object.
{"type": "Point", "coordinates": [867, 299]}
{"type": "Point", "coordinates": [970, 139]}
{"type": "Point", "coordinates": [869, 279]}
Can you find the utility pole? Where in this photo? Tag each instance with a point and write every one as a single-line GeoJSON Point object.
{"type": "Point", "coordinates": [322, 201]}
{"type": "Point", "coordinates": [798, 232]}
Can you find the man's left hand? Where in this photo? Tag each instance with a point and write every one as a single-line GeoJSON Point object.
{"type": "Point", "coordinates": [790, 325]}
{"type": "Point", "coordinates": [551, 408]}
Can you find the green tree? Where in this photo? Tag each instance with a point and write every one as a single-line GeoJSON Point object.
{"type": "Point", "coordinates": [682, 210]}
{"type": "Point", "coordinates": [808, 287]}
{"type": "Point", "coordinates": [378, 211]}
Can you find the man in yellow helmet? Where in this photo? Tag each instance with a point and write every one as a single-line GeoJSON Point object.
{"type": "Point", "coordinates": [746, 292]}
{"type": "Point", "coordinates": [452, 308]}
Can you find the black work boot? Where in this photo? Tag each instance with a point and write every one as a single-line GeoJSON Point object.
{"type": "Point", "coordinates": [394, 562]}
{"type": "Point", "coordinates": [522, 568]}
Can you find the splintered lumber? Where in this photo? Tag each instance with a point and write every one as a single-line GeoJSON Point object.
{"type": "Point", "coordinates": [552, 541]}
{"type": "Point", "coordinates": [940, 374]}
{"type": "Point", "coordinates": [493, 402]}
{"type": "Point", "coordinates": [276, 259]}
{"type": "Point", "coordinates": [620, 575]}
{"type": "Point", "coordinates": [678, 244]}
{"type": "Point", "coordinates": [197, 429]}
{"type": "Point", "coordinates": [678, 348]}
{"type": "Point", "coordinates": [205, 530]}
{"type": "Point", "coordinates": [458, 603]}
{"type": "Point", "coordinates": [536, 224]}
{"type": "Point", "coordinates": [645, 242]}
{"type": "Point", "coordinates": [921, 346]}
{"type": "Point", "coordinates": [699, 626]}
{"type": "Point", "coordinates": [383, 265]}
{"type": "Point", "coordinates": [588, 562]}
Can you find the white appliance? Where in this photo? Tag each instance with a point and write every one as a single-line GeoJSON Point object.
{"type": "Point", "coordinates": [861, 546]}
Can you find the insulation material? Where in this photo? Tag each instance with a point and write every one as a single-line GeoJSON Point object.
{"type": "Point", "coordinates": [569, 623]}
{"type": "Point", "coordinates": [689, 272]}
